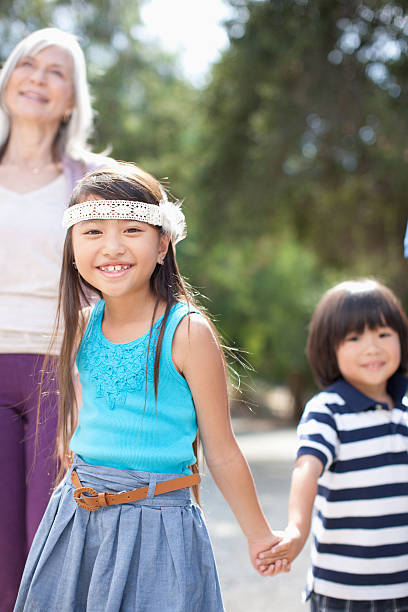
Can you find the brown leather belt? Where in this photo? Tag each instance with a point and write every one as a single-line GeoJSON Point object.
{"type": "Point", "coordinates": [94, 500]}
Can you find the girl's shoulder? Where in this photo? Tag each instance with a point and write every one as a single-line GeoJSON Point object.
{"type": "Point", "coordinates": [194, 335]}
{"type": "Point", "coordinates": [86, 317]}
{"type": "Point", "coordinates": [85, 314]}
{"type": "Point", "coordinates": [91, 311]}
{"type": "Point", "coordinates": [184, 307]}
{"type": "Point", "coordinates": [185, 318]}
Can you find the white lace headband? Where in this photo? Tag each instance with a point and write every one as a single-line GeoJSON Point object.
{"type": "Point", "coordinates": [167, 215]}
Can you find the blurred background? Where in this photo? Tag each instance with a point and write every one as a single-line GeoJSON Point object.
{"type": "Point", "coordinates": [283, 125]}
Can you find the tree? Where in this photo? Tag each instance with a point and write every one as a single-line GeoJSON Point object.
{"type": "Point", "coordinates": [306, 119]}
{"type": "Point", "coordinates": [304, 137]}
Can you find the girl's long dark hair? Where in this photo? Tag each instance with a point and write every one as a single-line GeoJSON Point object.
{"type": "Point", "coordinates": [121, 182]}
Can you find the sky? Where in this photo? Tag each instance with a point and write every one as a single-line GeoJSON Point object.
{"type": "Point", "coordinates": [191, 28]}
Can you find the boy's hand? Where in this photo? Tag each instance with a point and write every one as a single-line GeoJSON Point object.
{"type": "Point", "coordinates": [287, 549]}
{"type": "Point", "coordinates": [257, 547]}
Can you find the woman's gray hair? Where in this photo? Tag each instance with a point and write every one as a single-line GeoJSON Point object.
{"type": "Point", "coordinates": [72, 136]}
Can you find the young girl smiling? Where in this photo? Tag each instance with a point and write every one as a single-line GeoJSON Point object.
{"type": "Point", "coordinates": [121, 533]}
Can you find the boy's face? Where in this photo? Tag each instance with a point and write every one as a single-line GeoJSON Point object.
{"type": "Point", "coordinates": [369, 359]}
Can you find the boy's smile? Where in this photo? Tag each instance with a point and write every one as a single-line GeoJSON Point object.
{"type": "Point", "coordinates": [367, 360]}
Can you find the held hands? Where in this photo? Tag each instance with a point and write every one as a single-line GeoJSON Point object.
{"type": "Point", "coordinates": [259, 547]}
{"type": "Point", "coordinates": [282, 553]}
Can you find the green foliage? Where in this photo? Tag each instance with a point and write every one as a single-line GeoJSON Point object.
{"type": "Point", "coordinates": [294, 120]}
{"type": "Point", "coordinates": [306, 136]}
{"type": "Point", "coordinates": [263, 293]}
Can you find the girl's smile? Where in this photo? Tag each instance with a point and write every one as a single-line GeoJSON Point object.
{"type": "Point", "coordinates": [114, 270]}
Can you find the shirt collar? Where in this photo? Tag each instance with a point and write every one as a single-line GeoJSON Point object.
{"type": "Point", "coordinates": [397, 387]}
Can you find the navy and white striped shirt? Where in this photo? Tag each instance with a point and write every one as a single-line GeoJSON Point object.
{"type": "Point", "coordinates": [360, 527]}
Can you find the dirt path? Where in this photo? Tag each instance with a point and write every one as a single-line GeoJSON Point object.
{"type": "Point", "coordinates": [270, 455]}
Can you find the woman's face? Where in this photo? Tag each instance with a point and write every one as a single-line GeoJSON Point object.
{"type": "Point", "coordinates": [41, 87]}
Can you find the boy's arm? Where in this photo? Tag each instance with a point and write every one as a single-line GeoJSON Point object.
{"type": "Point", "coordinates": [302, 495]}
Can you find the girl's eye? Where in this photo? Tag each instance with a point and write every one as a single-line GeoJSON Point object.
{"type": "Point", "coordinates": [92, 232]}
{"type": "Point", "coordinates": [352, 338]}
{"type": "Point", "coordinates": [384, 334]}
{"type": "Point", "coordinates": [133, 230]}
{"type": "Point", "coordinates": [57, 72]}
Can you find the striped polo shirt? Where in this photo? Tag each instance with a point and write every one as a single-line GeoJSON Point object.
{"type": "Point", "coordinates": [360, 524]}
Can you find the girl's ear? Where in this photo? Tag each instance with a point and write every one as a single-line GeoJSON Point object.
{"type": "Point", "coordinates": [163, 247]}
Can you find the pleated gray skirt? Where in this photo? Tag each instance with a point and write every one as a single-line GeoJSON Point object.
{"type": "Point", "coordinates": [153, 555]}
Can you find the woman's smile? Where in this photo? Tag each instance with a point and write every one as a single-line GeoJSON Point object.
{"type": "Point", "coordinates": [35, 96]}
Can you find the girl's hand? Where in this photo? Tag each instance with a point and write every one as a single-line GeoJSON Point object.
{"type": "Point", "coordinates": [287, 549]}
{"type": "Point", "coordinates": [265, 545]}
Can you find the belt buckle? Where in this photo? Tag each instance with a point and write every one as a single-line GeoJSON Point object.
{"type": "Point", "coordinates": [81, 500]}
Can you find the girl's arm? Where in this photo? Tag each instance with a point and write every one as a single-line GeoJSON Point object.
{"type": "Point", "coordinates": [302, 495]}
{"type": "Point", "coordinates": [197, 356]}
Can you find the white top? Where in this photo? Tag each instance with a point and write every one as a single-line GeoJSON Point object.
{"type": "Point", "coordinates": [31, 242]}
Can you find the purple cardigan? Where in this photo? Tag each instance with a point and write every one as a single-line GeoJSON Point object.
{"type": "Point", "coordinates": [74, 170]}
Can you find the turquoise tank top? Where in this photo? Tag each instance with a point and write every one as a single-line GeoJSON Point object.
{"type": "Point", "coordinates": [120, 424]}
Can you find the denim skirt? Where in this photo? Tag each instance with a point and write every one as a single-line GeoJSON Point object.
{"type": "Point", "coordinates": [144, 556]}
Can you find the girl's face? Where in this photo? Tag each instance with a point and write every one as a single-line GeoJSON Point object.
{"type": "Point", "coordinates": [117, 257]}
{"type": "Point", "coordinates": [369, 359]}
{"type": "Point", "coordinates": [41, 86]}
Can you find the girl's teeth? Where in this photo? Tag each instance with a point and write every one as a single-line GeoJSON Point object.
{"type": "Point", "coordinates": [114, 268]}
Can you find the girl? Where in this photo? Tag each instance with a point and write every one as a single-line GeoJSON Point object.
{"type": "Point", "coordinates": [120, 533]}
{"type": "Point", "coordinates": [352, 461]}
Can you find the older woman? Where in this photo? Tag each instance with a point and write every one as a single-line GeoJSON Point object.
{"type": "Point", "coordinates": [45, 119]}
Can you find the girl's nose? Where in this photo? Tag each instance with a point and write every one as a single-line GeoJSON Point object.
{"type": "Point", "coordinates": [113, 246]}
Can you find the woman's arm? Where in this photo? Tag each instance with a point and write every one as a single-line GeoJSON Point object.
{"type": "Point", "coordinates": [198, 357]}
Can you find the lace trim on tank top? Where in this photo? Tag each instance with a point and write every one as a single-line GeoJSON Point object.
{"type": "Point", "coordinates": [116, 369]}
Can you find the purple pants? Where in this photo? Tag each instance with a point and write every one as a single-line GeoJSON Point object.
{"type": "Point", "coordinates": [27, 466]}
